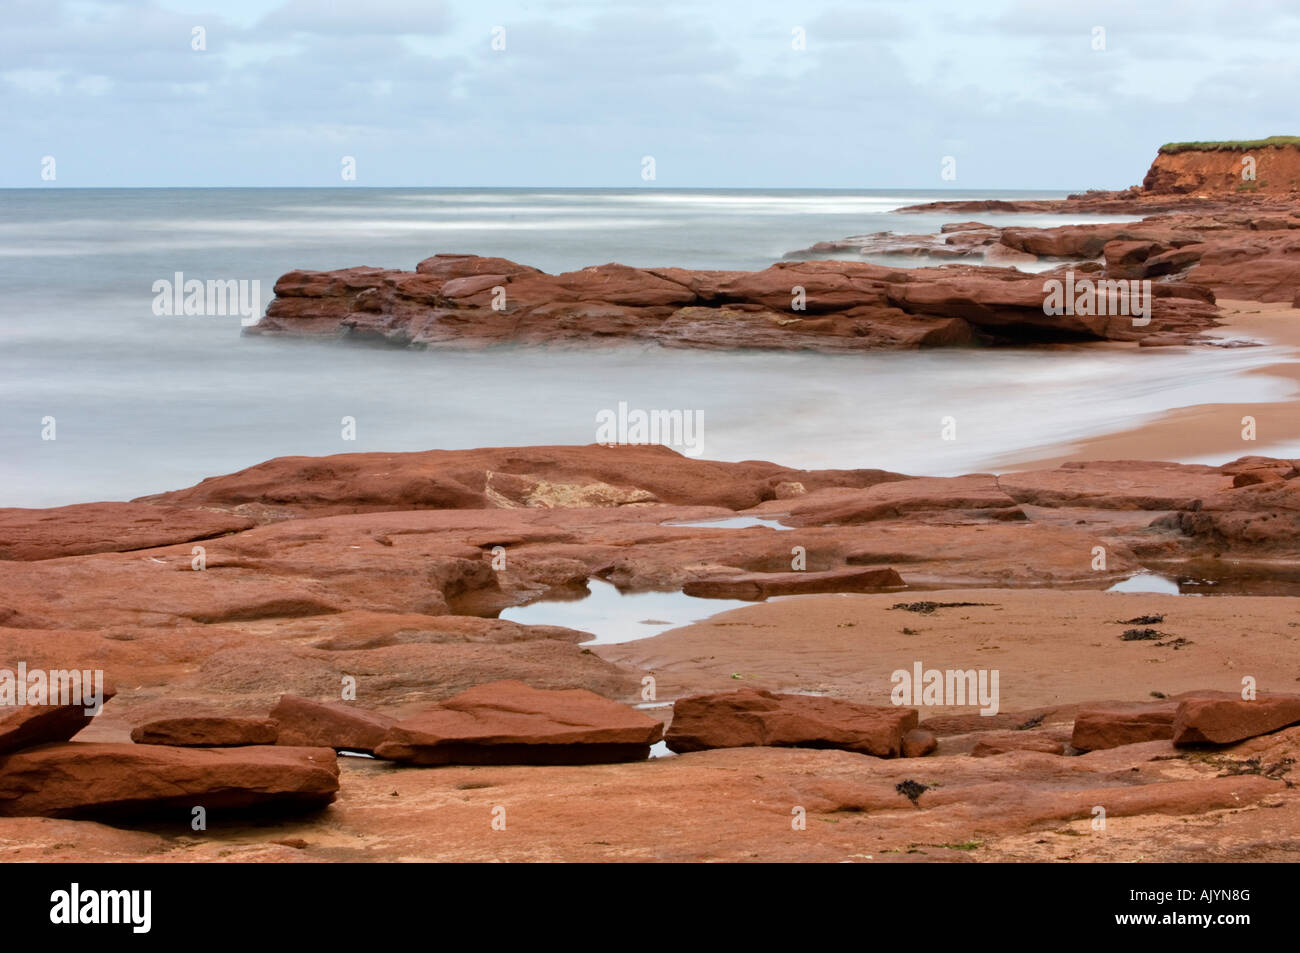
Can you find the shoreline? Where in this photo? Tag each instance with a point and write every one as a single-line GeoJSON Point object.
{"type": "Point", "coordinates": [1198, 431]}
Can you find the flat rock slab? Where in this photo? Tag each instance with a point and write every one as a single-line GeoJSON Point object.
{"type": "Point", "coordinates": [214, 731]}
{"type": "Point", "coordinates": [760, 585]}
{"type": "Point", "coordinates": [337, 725]}
{"type": "Point", "coordinates": [1099, 728]}
{"type": "Point", "coordinates": [24, 726]}
{"type": "Point", "coordinates": [1000, 742]}
{"type": "Point", "coordinates": [749, 718]}
{"type": "Point", "coordinates": [1225, 720]}
{"type": "Point", "coordinates": [75, 779]}
{"type": "Point", "coordinates": [512, 723]}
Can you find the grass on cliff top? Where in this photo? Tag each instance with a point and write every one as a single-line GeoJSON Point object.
{"type": "Point", "coordinates": [1228, 145]}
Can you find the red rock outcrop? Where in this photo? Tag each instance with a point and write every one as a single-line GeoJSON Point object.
{"type": "Point", "coordinates": [347, 573]}
{"type": "Point", "coordinates": [817, 305]}
{"type": "Point", "coordinates": [1273, 168]}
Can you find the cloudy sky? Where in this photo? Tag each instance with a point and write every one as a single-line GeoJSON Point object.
{"type": "Point", "coordinates": [716, 91]}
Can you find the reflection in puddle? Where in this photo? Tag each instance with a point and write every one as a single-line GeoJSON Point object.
{"type": "Point", "coordinates": [734, 522]}
{"type": "Point", "coordinates": [615, 617]}
{"type": "Point", "coordinates": [1147, 582]}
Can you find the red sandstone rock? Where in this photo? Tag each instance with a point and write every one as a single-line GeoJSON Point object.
{"type": "Point", "coordinates": [212, 731]}
{"type": "Point", "coordinates": [105, 528]}
{"type": "Point", "coordinates": [23, 726]}
{"type": "Point", "coordinates": [1112, 726]}
{"type": "Point", "coordinates": [1277, 170]}
{"type": "Point", "coordinates": [338, 725]}
{"type": "Point", "coordinates": [1000, 742]}
{"type": "Point", "coordinates": [460, 301]}
{"type": "Point", "coordinates": [748, 717]}
{"type": "Point", "coordinates": [918, 743]}
{"type": "Point", "coordinates": [72, 779]}
{"type": "Point", "coordinates": [761, 585]}
{"type": "Point", "coordinates": [1225, 720]}
{"type": "Point", "coordinates": [512, 723]}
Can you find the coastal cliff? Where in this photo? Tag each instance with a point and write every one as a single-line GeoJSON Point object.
{"type": "Point", "coordinates": [1261, 165]}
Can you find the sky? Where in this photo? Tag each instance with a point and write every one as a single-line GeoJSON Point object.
{"type": "Point", "coordinates": [1016, 94]}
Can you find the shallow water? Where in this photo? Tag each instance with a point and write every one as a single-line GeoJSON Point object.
{"type": "Point", "coordinates": [1147, 582]}
{"type": "Point", "coordinates": [736, 522]}
{"type": "Point", "coordinates": [614, 617]}
{"type": "Point", "coordinates": [144, 403]}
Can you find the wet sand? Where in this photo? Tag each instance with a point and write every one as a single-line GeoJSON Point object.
{"type": "Point", "coordinates": [1051, 647]}
{"type": "Point", "coordinates": [1201, 430]}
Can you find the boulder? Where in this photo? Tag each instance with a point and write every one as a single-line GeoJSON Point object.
{"type": "Point", "coordinates": [749, 718]}
{"type": "Point", "coordinates": [338, 725]}
{"type": "Point", "coordinates": [74, 779]}
{"type": "Point", "coordinates": [211, 731]}
{"type": "Point", "coordinates": [919, 742]}
{"type": "Point", "coordinates": [512, 723]}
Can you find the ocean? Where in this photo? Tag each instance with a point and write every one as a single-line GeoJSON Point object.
{"type": "Point", "coordinates": [143, 402]}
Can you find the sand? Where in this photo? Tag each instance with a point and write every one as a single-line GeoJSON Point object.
{"type": "Point", "coordinates": [1051, 647]}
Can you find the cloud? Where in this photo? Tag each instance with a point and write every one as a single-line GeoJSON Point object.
{"type": "Point", "coordinates": [371, 18]}
{"type": "Point", "coordinates": [583, 90]}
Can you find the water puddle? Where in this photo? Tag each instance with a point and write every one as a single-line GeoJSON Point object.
{"type": "Point", "coordinates": [615, 617]}
{"type": "Point", "coordinates": [1216, 579]}
{"type": "Point", "coordinates": [734, 522]}
{"type": "Point", "coordinates": [1148, 582]}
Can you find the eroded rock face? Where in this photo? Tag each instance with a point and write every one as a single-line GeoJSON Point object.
{"type": "Point", "coordinates": [79, 779]}
{"type": "Point", "coordinates": [512, 723]}
{"type": "Point", "coordinates": [747, 718]}
{"type": "Point", "coordinates": [1277, 170]}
